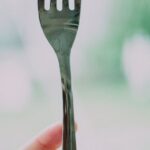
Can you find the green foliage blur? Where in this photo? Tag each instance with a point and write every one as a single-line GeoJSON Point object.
{"type": "Point", "coordinates": [127, 18]}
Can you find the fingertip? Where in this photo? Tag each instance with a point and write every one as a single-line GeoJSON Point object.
{"type": "Point", "coordinates": [51, 137]}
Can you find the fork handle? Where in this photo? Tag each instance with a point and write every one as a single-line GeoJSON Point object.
{"type": "Point", "coordinates": [69, 138]}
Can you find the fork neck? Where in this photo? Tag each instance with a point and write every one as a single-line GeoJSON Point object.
{"type": "Point", "coordinates": [64, 63]}
{"type": "Point", "coordinates": [69, 138]}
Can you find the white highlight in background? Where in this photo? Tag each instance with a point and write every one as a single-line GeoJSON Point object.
{"type": "Point", "coordinates": [14, 85]}
{"type": "Point", "coordinates": [136, 62]}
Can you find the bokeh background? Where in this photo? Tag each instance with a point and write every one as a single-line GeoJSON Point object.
{"type": "Point", "coordinates": [110, 63]}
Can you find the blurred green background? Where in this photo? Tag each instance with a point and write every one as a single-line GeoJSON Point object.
{"type": "Point", "coordinates": [110, 63]}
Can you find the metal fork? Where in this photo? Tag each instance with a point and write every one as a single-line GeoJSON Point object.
{"type": "Point", "coordinates": [60, 28]}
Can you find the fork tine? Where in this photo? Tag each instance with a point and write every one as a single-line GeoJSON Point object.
{"type": "Point", "coordinates": [66, 3]}
{"type": "Point", "coordinates": [77, 4]}
{"type": "Point", "coordinates": [41, 4]}
{"type": "Point", "coordinates": [53, 4]}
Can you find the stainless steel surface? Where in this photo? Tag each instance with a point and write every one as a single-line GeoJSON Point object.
{"type": "Point", "coordinates": [60, 28]}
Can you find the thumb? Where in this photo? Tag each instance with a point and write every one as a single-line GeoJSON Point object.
{"type": "Point", "coordinates": [50, 139]}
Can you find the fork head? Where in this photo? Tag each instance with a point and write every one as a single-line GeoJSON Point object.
{"type": "Point", "coordinates": [60, 27]}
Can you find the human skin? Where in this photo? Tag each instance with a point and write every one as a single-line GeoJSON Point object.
{"type": "Point", "coordinates": [49, 139]}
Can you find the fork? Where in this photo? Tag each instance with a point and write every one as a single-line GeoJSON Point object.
{"type": "Point", "coordinates": [60, 29]}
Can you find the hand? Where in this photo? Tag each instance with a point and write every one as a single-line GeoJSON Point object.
{"type": "Point", "coordinates": [50, 139]}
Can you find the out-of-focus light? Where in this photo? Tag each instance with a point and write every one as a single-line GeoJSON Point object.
{"type": "Point", "coordinates": [14, 85]}
{"type": "Point", "coordinates": [136, 61]}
